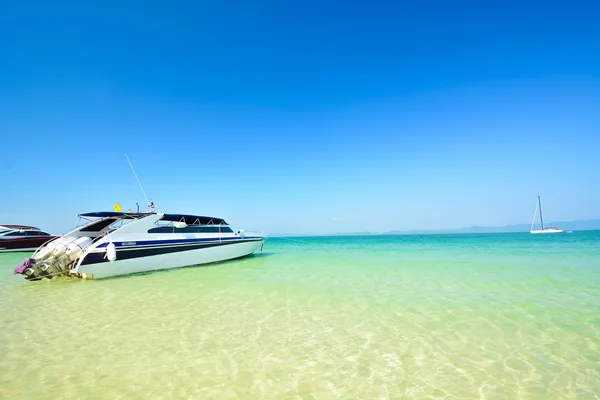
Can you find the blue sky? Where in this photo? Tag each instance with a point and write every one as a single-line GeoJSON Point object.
{"type": "Point", "coordinates": [302, 117]}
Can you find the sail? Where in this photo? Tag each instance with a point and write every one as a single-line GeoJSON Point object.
{"type": "Point", "coordinates": [534, 215]}
{"type": "Point", "coordinates": [541, 218]}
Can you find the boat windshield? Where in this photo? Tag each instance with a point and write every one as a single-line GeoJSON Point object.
{"type": "Point", "coordinates": [107, 224]}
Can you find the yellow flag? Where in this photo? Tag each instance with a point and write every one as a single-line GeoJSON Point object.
{"type": "Point", "coordinates": [118, 207]}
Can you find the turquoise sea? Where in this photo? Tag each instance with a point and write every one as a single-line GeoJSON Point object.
{"type": "Point", "coordinates": [499, 316]}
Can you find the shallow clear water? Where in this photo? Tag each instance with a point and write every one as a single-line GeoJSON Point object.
{"type": "Point", "coordinates": [504, 316]}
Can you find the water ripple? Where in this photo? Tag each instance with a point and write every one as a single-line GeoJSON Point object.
{"type": "Point", "coordinates": [415, 320]}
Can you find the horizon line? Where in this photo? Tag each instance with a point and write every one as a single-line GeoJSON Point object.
{"type": "Point", "coordinates": [512, 228]}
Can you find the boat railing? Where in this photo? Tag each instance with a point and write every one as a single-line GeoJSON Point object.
{"type": "Point", "coordinates": [247, 234]}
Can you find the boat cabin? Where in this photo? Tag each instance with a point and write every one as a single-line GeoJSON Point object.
{"type": "Point", "coordinates": [21, 231]}
{"type": "Point", "coordinates": [104, 222]}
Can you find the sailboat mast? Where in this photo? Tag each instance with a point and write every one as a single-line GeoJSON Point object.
{"type": "Point", "coordinates": [541, 218]}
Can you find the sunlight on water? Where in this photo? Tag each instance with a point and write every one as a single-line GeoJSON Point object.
{"type": "Point", "coordinates": [467, 316]}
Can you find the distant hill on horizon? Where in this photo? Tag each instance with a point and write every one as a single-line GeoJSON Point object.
{"type": "Point", "coordinates": [582, 225]}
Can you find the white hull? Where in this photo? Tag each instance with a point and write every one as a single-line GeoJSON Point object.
{"type": "Point", "coordinates": [171, 260]}
{"type": "Point", "coordinates": [546, 231]}
{"type": "Point", "coordinates": [121, 244]}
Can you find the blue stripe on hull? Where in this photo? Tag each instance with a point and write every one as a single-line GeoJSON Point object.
{"type": "Point", "coordinates": [137, 252]}
{"type": "Point", "coordinates": [179, 241]}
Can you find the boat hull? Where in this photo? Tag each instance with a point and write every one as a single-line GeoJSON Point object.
{"type": "Point", "coordinates": [24, 245]}
{"type": "Point", "coordinates": [95, 265]}
{"type": "Point", "coordinates": [538, 231]}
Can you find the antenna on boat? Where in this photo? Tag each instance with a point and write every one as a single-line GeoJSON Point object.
{"type": "Point", "coordinates": [138, 181]}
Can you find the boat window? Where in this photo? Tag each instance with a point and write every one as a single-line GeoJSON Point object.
{"type": "Point", "coordinates": [191, 229]}
{"type": "Point", "coordinates": [15, 233]}
{"type": "Point", "coordinates": [37, 233]}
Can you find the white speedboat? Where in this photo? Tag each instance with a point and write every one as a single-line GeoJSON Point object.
{"type": "Point", "coordinates": [116, 243]}
{"type": "Point", "coordinates": [545, 229]}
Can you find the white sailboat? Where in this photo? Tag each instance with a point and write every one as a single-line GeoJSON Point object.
{"type": "Point", "coordinates": [545, 229]}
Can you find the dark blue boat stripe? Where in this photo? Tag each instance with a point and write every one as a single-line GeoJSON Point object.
{"type": "Point", "coordinates": [176, 245]}
{"type": "Point", "coordinates": [129, 253]}
{"type": "Point", "coordinates": [124, 243]}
